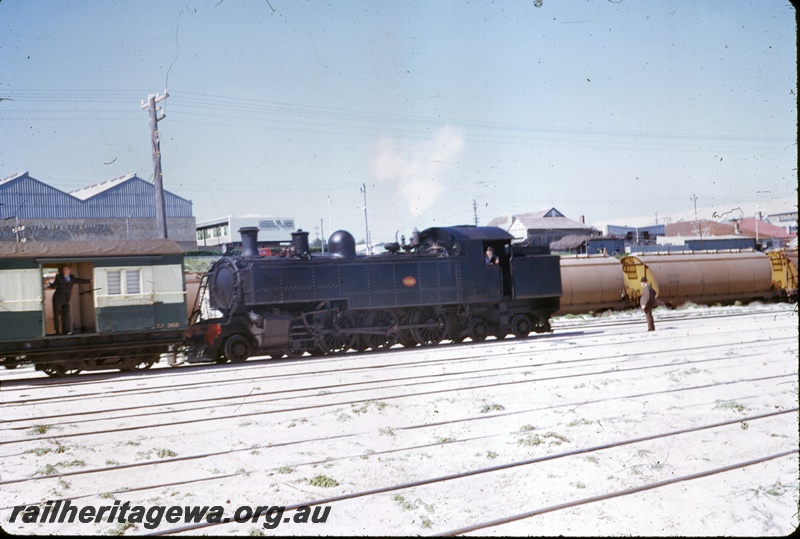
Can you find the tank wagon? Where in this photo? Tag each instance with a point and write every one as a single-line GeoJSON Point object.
{"type": "Point", "coordinates": [792, 256]}
{"type": "Point", "coordinates": [592, 283]}
{"type": "Point", "coordinates": [784, 272]}
{"type": "Point", "coordinates": [133, 311]}
{"type": "Point", "coordinates": [438, 287]}
{"type": "Point", "coordinates": [713, 277]}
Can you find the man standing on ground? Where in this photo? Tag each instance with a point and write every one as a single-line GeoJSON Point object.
{"type": "Point", "coordinates": [648, 301]}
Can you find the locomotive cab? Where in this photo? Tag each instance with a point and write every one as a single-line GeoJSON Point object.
{"type": "Point", "coordinates": [497, 259]}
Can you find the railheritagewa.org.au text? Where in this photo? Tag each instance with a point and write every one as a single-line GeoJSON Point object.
{"type": "Point", "coordinates": [151, 517]}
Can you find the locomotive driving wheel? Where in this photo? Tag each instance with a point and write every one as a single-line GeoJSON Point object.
{"type": "Point", "coordinates": [430, 326]}
{"type": "Point", "coordinates": [337, 336]}
{"type": "Point", "coordinates": [478, 329]}
{"type": "Point", "coordinates": [521, 326]}
{"type": "Point", "coordinates": [405, 337]}
{"type": "Point", "coordinates": [384, 331]}
{"type": "Point", "coordinates": [237, 348]}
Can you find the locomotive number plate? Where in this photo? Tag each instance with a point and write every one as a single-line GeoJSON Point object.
{"type": "Point", "coordinates": [409, 281]}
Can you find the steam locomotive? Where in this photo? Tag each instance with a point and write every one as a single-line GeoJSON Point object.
{"type": "Point", "coordinates": [438, 287]}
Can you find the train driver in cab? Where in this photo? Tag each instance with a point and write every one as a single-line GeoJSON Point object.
{"type": "Point", "coordinates": [491, 258]}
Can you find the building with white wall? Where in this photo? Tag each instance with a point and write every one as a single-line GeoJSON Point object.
{"type": "Point", "coordinates": [216, 234]}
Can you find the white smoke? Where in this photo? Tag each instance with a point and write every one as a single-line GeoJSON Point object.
{"type": "Point", "coordinates": [416, 167]}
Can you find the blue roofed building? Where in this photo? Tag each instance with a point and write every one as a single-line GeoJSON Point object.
{"type": "Point", "coordinates": [118, 209]}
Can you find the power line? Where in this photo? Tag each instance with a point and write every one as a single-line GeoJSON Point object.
{"type": "Point", "coordinates": [187, 104]}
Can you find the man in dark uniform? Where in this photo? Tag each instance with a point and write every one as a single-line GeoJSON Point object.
{"type": "Point", "coordinates": [63, 285]}
{"type": "Point", "coordinates": [648, 301]}
{"type": "Point", "coordinates": [490, 258]}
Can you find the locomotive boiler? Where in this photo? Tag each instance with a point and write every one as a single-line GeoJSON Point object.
{"type": "Point", "coordinates": [438, 287]}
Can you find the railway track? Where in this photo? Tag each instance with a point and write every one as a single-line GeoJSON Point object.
{"type": "Point", "coordinates": [584, 324]}
{"type": "Point", "coordinates": [407, 411]}
{"type": "Point", "coordinates": [561, 323]}
{"type": "Point", "coordinates": [504, 375]}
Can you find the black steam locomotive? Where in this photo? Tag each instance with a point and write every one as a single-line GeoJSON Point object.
{"type": "Point", "coordinates": [440, 286]}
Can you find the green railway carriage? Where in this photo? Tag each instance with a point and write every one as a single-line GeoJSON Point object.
{"type": "Point", "coordinates": [133, 310]}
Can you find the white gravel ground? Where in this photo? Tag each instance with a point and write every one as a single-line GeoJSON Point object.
{"type": "Point", "coordinates": [290, 432]}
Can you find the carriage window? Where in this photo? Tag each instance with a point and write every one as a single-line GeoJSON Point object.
{"type": "Point", "coordinates": [115, 281]}
{"type": "Point", "coordinates": [132, 281]}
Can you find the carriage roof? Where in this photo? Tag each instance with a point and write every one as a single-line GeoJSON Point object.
{"type": "Point", "coordinates": [88, 249]}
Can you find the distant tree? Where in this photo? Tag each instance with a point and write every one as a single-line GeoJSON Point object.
{"type": "Point", "coordinates": [316, 246]}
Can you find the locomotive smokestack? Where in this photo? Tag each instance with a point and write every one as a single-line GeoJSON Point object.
{"type": "Point", "coordinates": [300, 242]}
{"type": "Point", "coordinates": [249, 240]}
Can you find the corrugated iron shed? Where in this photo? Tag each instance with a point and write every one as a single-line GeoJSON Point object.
{"type": "Point", "coordinates": [128, 196]}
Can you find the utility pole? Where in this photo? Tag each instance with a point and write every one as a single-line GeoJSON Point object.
{"type": "Point", "coordinates": [330, 216]}
{"type": "Point", "coordinates": [17, 229]}
{"type": "Point", "coordinates": [161, 219]}
{"type": "Point", "coordinates": [475, 210]}
{"type": "Point", "coordinates": [758, 218]}
{"type": "Point", "coordinates": [366, 222]}
{"type": "Point", "coordinates": [322, 234]}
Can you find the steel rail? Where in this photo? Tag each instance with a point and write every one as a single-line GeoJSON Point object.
{"type": "Point", "coordinates": [479, 374]}
{"type": "Point", "coordinates": [440, 423]}
{"type": "Point", "coordinates": [499, 467]}
{"type": "Point", "coordinates": [252, 365]}
{"type": "Point", "coordinates": [283, 444]}
{"type": "Point", "coordinates": [615, 494]}
{"type": "Point", "coordinates": [384, 398]}
{"type": "Point", "coordinates": [558, 324]}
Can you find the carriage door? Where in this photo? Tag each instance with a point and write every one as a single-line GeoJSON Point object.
{"type": "Point", "coordinates": [81, 303]}
{"type": "Point", "coordinates": [83, 309]}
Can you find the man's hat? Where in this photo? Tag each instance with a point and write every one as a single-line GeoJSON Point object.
{"type": "Point", "coordinates": [644, 279]}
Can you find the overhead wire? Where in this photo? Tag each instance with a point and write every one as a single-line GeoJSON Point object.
{"type": "Point", "coordinates": [260, 113]}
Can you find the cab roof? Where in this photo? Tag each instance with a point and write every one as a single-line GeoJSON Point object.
{"type": "Point", "coordinates": [465, 232]}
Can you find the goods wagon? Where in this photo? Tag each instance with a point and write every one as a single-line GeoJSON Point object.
{"type": "Point", "coordinates": [592, 283]}
{"type": "Point", "coordinates": [784, 271]}
{"type": "Point", "coordinates": [701, 277]}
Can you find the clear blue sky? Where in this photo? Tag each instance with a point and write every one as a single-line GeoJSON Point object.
{"type": "Point", "coordinates": [599, 108]}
